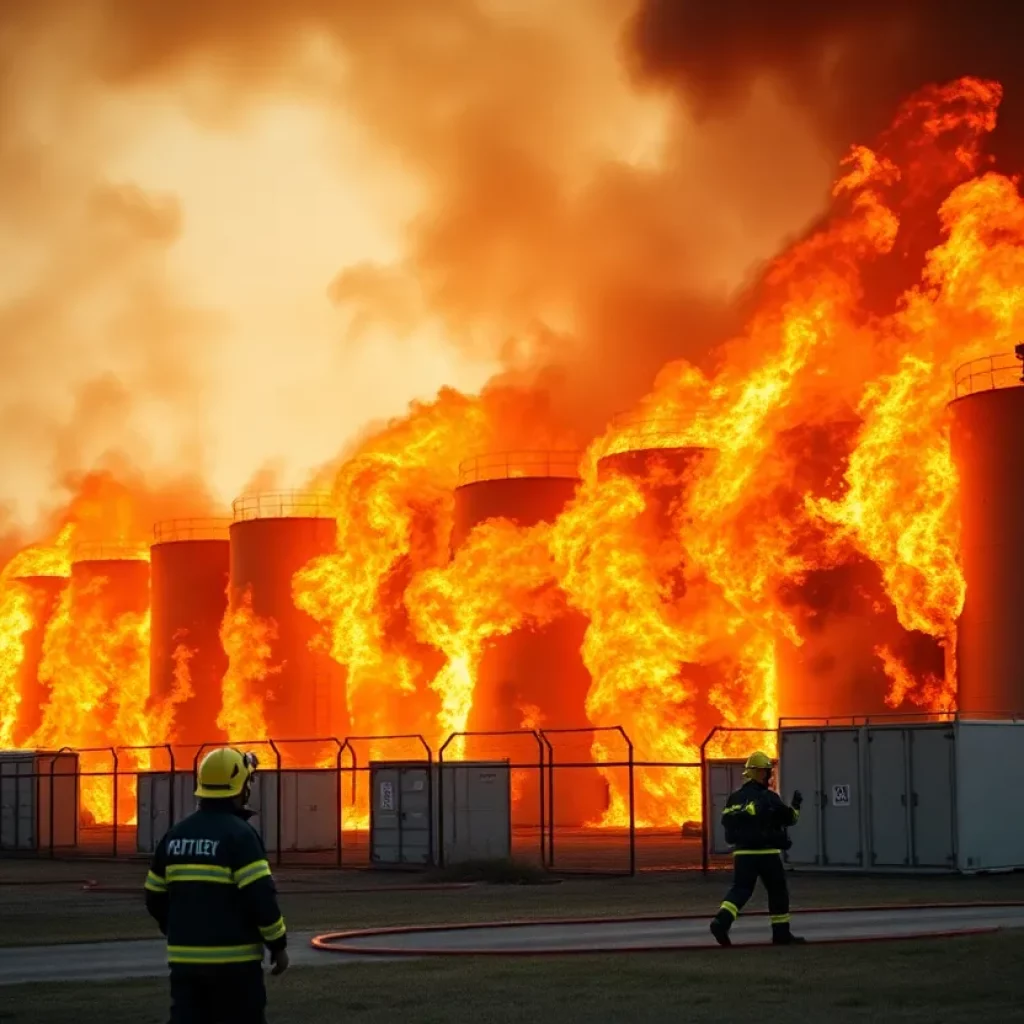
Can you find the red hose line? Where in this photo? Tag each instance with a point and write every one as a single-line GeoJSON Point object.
{"type": "Point", "coordinates": [320, 942]}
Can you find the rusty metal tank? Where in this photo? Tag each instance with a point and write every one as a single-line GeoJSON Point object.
{"type": "Point", "coordinates": [190, 562]}
{"type": "Point", "coordinates": [987, 427]}
{"type": "Point", "coordinates": [273, 535]}
{"type": "Point", "coordinates": [44, 593]}
{"type": "Point", "coordinates": [532, 677]}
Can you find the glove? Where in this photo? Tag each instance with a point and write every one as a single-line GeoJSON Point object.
{"type": "Point", "coordinates": [280, 961]}
{"type": "Point", "coordinates": [798, 799]}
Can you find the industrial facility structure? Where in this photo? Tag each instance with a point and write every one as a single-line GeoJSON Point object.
{"type": "Point", "coordinates": [534, 676]}
{"type": "Point", "coordinates": [44, 593]}
{"type": "Point", "coordinates": [987, 427]}
{"type": "Point", "coordinates": [271, 538]}
{"type": "Point", "coordinates": [190, 561]}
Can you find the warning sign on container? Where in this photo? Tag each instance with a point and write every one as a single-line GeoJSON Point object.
{"type": "Point", "coordinates": [840, 796]}
{"type": "Point", "coordinates": [387, 796]}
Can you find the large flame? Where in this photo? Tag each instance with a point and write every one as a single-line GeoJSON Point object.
{"type": "Point", "coordinates": [701, 522]}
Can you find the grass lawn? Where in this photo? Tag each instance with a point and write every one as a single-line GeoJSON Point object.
{"type": "Point", "coordinates": [955, 981]}
{"type": "Point", "coordinates": [35, 912]}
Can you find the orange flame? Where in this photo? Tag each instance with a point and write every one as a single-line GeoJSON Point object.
{"type": "Point", "coordinates": [247, 642]}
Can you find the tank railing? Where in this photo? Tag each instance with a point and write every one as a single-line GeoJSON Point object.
{"type": "Point", "coordinates": [168, 530]}
{"type": "Point", "coordinates": [283, 505]}
{"type": "Point", "coordinates": [476, 735]}
{"type": "Point", "coordinates": [354, 769]}
{"type": "Point", "coordinates": [705, 818]}
{"type": "Point", "coordinates": [516, 465]}
{"type": "Point", "coordinates": [988, 373]}
{"type": "Point", "coordinates": [545, 735]}
{"type": "Point", "coordinates": [110, 551]}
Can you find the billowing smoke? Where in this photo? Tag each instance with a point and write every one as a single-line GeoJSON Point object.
{"type": "Point", "coordinates": [847, 65]}
{"type": "Point", "coordinates": [545, 222]}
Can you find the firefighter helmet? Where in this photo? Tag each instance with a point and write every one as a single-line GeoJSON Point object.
{"type": "Point", "coordinates": [757, 760]}
{"type": "Point", "coordinates": [223, 773]}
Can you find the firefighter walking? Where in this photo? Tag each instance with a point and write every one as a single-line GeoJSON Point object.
{"type": "Point", "coordinates": [755, 821]}
{"type": "Point", "coordinates": [212, 894]}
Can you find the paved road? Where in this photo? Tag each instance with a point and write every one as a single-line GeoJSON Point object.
{"type": "Point", "coordinates": [98, 961]}
{"type": "Point", "coordinates": [141, 958]}
{"type": "Point", "coordinates": [677, 933]}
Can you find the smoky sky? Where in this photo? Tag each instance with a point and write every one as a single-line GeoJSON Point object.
{"type": "Point", "coordinates": [847, 64]}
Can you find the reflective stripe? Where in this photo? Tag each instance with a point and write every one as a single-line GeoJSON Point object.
{"type": "Point", "coordinates": [199, 873]}
{"type": "Point", "coordinates": [796, 815]}
{"type": "Point", "coordinates": [154, 883]}
{"type": "Point", "coordinates": [213, 954]}
{"type": "Point", "coordinates": [251, 873]}
{"type": "Point", "coordinates": [273, 931]}
{"type": "Point", "coordinates": [747, 808]}
{"type": "Point", "coordinates": [732, 909]}
{"type": "Point", "coordinates": [779, 919]}
{"type": "Point", "coordinates": [741, 852]}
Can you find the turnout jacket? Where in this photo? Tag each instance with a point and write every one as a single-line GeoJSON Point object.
{"type": "Point", "coordinates": [211, 891]}
{"type": "Point", "coordinates": [755, 820]}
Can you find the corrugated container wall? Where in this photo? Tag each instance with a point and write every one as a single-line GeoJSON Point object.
{"type": "Point", "coordinates": [190, 562]}
{"type": "Point", "coordinates": [274, 536]}
{"type": "Point", "coordinates": [532, 677]}
{"type": "Point", "coordinates": [986, 436]}
{"type": "Point", "coordinates": [44, 593]}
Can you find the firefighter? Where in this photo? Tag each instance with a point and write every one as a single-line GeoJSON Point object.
{"type": "Point", "coordinates": [211, 891]}
{"type": "Point", "coordinates": [755, 821]}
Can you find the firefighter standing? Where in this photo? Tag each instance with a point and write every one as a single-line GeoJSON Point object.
{"type": "Point", "coordinates": [755, 821]}
{"type": "Point", "coordinates": [211, 891]}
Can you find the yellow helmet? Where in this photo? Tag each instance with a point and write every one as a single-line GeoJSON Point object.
{"type": "Point", "coordinates": [758, 759]}
{"type": "Point", "coordinates": [223, 773]}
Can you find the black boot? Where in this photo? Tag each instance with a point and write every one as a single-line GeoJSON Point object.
{"type": "Point", "coordinates": [720, 925]}
{"type": "Point", "coordinates": [782, 936]}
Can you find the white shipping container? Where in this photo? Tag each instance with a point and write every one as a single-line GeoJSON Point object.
{"type": "Point", "coordinates": [38, 800]}
{"type": "Point", "coordinates": [724, 777]}
{"type": "Point", "coordinates": [926, 796]}
{"type": "Point", "coordinates": [163, 799]}
{"type": "Point", "coordinates": [307, 811]}
{"type": "Point", "coordinates": [417, 820]}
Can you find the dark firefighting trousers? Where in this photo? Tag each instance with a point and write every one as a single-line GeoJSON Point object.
{"type": "Point", "coordinates": [747, 869]}
{"type": "Point", "coordinates": [228, 994]}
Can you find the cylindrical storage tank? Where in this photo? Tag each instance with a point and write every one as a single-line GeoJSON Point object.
{"type": "Point", "coordinates": [190, 561]}
{"type": "Point", "coordinates": [841, 613]}
{"type": "Point", "coordinates": [44, 594]}
{"type": "Point", "coordinates": [272, 537]}
{"type": "Point", "coordinates": [986, 433]}
{"type": "Point", "coordinates": [532, 677]}
{"type": "Point", "coordinates": [109, 580]}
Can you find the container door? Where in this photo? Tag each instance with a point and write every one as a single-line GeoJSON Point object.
{"type": "Point", "coordinates": [17, 804]}
{"type": "Point", "coordinates": [841, 815]}
{"type": "Point", "coordinates": [59, 777]}
{"type": "Point", "coordinates": [317, 803]}
{"type": "Point", "coordinates": [263, 804]}
{"type": "Point", "coordinates": [184, 795]}
{"type": "Point", "coordinates": [724, 778]}
{"type": "Point", "coordinates": [144, 841]}
{"type": "Point", "coordinates": [799, 768]}
{"type": "Point", "coordinates": [931, 781]}
{"type": "Point", "coordinates": [888, 792]}
{"type": "Point", "coordinates": [385, 830]}
{"type": "Point", "coordinates": [414, 815]}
